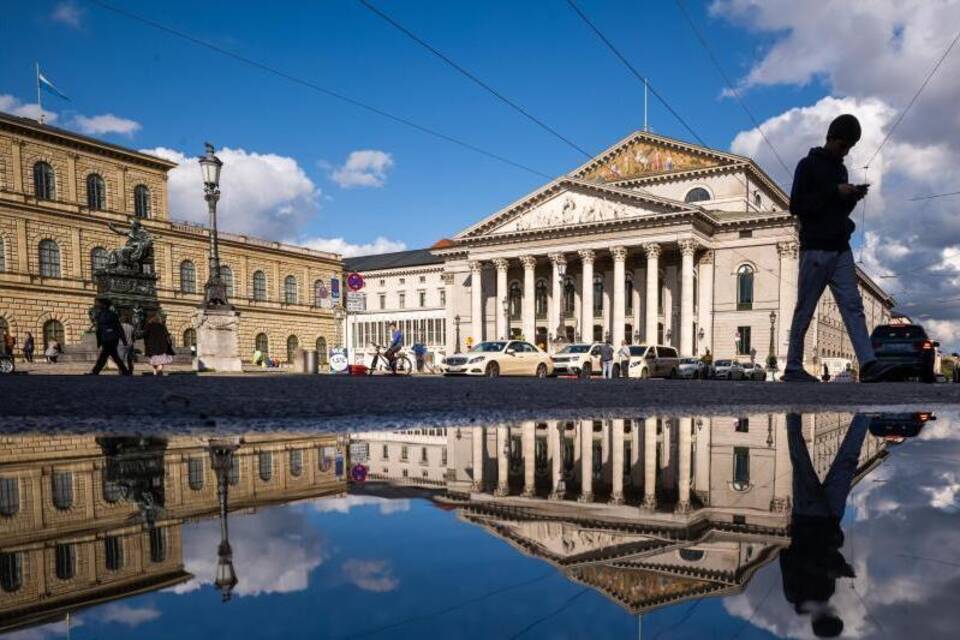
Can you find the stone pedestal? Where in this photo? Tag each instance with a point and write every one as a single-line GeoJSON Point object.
{"type": "Point", "coordinates": [218, 345]}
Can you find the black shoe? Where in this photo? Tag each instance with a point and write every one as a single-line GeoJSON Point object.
{"type": "Point", "coordinates": [876, 371]}
{"type": "Point", "coordinates": [798, 376]}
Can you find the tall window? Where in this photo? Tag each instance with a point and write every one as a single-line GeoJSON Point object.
{"type": "Point", "coordinates": [745, 287]}
{"type": "Point", "coordinates": [96, 192]}
{"type": "Point", "coordinates": [98, 259]}
{"type": "Point", "coordinates": [422, 298]}
{"type": "Point", "coordinates": [743, 341]}
{"type": "Point", "coordinates": [226, 274]}
{"type": "Point", "coordinates": [234, 476]}
{"type": "Point", "coordinates": [402, 300]}
{"type": "Point", "coordinates": [319, 292]}
{"type": "Point", "coordinates": [597, 295]}
{"type": "Point", "coordinates": [3, 256]}
{"type": "Point", "coordinates": [743, 425]}
{"type": "Point", "coordinates": [292, 344]}
{"type": "Point", "coordinates": [741, 468]}
{"type": "Point", "coordinates": [265, 463]}
{"type": "Point", "coordinates": [195, 474]}
{"type": "Point", "coordinates": [65, 561]}
{"type": "Point", "coordinates": [190, 337]}
{"type": "Point", "coordinates": [296, 462]}
{"type": "Point", "coordinates": [52, 330]}
{"type": "Point", "coordinates": [540, 299]}
{"type": "Point", "coordinates": [11, 571]}
{"type": "Point", "coordinates": [515, 297]}
{"type": "Point", "coordinates": [697, 194]}
{"type": "Point", "coordinates": [569, 296]}
{"type": "Point", "coordinates": [49, 259]}
{"type": "Point", "coordinates": [322, 350]}
{"type": "Point", "coordinates": [259, 286]}
{"type": "Point", "coordinates": [261, 344]}
{"type": "Point", "coordinates": [188, 277]}
{"type": "Point", "coordinates": [443, 293]}
{"type": "Point", "coordinates": [290, 290]}
{"type": "Point", "coordinates": [113, 552]}
{"type": "Point", "coordinates": [158, 544]}
{"type": "Point", "coordinates": [141, 201]}
{"type": "Point", "coordinates": [9, 496]}
{"type": "Point", "coordinates": [628, 296]}
{"type": "Point", "coordinates": [44, 182]}
{"type": "Point", "coordinates": [62, 490]}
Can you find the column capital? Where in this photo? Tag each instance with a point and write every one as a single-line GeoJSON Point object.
{"type": "Point", "coordinates": [652, 249]}
{"type": "Point", "coordinates": [788, 249]}
{"type": "Point", "coordinates": [619, 253]}
{"type": "Point", "coordinates": [501, 263]}
{"type": "Point", "coordinates": [476, 266]}
{"type": "Point", "coordinates": [558, 258]}
{"type": "Point", "coordinates": [587, 255]}
{"type": "Point", "coordinates": [688, 246]}
{"type": "Point", "coordinates": [528, 262]}
{"type": "Point", "coordinates": [706, 257]}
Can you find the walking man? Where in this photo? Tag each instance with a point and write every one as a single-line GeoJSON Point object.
{"type": "Point", "coordinates": [624, 354]}
{"type": "Point", "coordinates": [822, 199]}
{"type": "Point", "coordinates": [109, 336]}
{"type": "Point", "coordinates": [126, 352]}
{"type": "Point", "coordinates": [606, 359]}
{"type": "Point", "coordinates": [28, 347]}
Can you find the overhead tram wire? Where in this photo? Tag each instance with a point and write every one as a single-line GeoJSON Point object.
{"type": "Point", "coordinates": [471, 76]}
{"type": "Point", "coordinates": [315, 87]}
{"type": "Point", "coordinates": [730, 86]}
{"type": "Point", "coordinates": [935, 195]}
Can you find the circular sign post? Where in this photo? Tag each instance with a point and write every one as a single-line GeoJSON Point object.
{"type": "Point", "coordinates": [359, 473]}
{"type": "Point", "coordinates": [355, 281]}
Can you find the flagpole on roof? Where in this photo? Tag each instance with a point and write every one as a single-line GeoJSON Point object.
{"type": "Point", "coordinates": [39, 104]}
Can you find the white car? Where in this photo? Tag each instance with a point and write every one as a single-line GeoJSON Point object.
{"type": "Point", "coordinates": [755, 371]}
{"type": "Point", "coordinates": [728, 370]}
{"type": "Point", "coordinates": [654, 361]}
{"type": "Point", "coordinates": [499, 358]}
{"type": "Point", "coordinates": [583, 360]}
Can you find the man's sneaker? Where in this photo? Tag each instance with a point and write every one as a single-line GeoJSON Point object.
{"type": "Point", "coordinates": [798, 376]}
{"type": "Point", "coordinates": [876, 371]}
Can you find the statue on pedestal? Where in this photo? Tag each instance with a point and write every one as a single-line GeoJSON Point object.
{"type": "Point", "coordinates": [134, 254]}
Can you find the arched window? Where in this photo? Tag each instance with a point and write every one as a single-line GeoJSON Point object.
{"type": "Point", "coordinates": [691, 555]}
{"type": "Point", "coordinates": [261, 344]}
{"type": "Point", "coordinates": [322, 350]}
{"type": "Point", "coordinates": [98, 259]}
{"type": "Point", "coordinates": [141, 201]}
{"type": "Point", "coordinates": [62, 490]}
{"type": "Point", "coordinates": [259, 286]}
{"type": "Point", "coordinates": [265, 465]}
{"type": "Point", "coordinates": [195, 474]}
{"type": "Point", "coordinates": [11, 571]}
{"type": "Point", "coordinates": [745, 287]}
{"type": "Point", "coordinates": [697, 194]}
{"type": "Point", "coordinates": [226, 274]}
{"type": "Point", "coordinates": [44, 181]}
{"type": "Point", "coordinates": [9, 496]}
{"type": "Point", "coordinates": [188, 277]}
{"type": "Point", "coordinates": [516, 300]}
{"type": "Point", "coordinates": [158, 544]}
{"type": "Point", "coordinates": [292, 344]}
{"type": "Point", "coordinates": [319, 293]}
{"type": "Point", "coordinates": [190, 337]}
{"type": "Point", "coordinates": [296, 462]}
{"type": "Point", "coordinates": [540, 299]}
{"type": "Point", "coordinates": [569, 296]}
{"type": "Point", "coordinates": [65, 561]}
{"type": "Point", "coordinates": [52, 330]}
{"type": "Point", "coordinates": [49, 259]}
{"type": "Point", "coordinates": [3, 256]}
{"type": "Point", "coordinates": [96, 192]}
{"type": "Point", "coordinates": [597, 295]}
{"type": "Point", "coordinates": [113, 553]}
{"type": "Point", "coordinates": [628, 295]}
{"type": "Point", "coordinates": [290, 290]}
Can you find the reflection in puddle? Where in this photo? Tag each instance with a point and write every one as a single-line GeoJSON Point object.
{"type": "Point", "coordinates": [640, 521]}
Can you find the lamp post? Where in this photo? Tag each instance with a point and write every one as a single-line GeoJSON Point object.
{"type": "Point", "coordinates": [221, 459]}
{"type": "Point", "coordinates": [339, 315]}
{"type": "Point", "coordinates": [772, 356]}
{"type": "Point", "coordinates": [456, 326]}
{"type": "Point", "coordinates": [506, 317]}
{"type": "Point", "coordinates": [215, 291]}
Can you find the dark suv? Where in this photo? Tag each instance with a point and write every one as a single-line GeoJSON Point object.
{"type": "Point", "coordinates": [908, 347]}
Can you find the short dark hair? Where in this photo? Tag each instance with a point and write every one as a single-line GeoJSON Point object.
{"type": "Point", "coordinates": [104, 301]}
{"type": "Point", "coordinates": [845, 127]}
{"type": "Point", "coordinates": [827, 626]}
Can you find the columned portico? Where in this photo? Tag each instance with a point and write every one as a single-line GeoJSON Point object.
{"type": "Point", "coordinates": [653, 285]}
{"type": "Point", "coordinates": [478, 438]}
{"type": "Point", "coordinates": [586, 461]}
{"type": "Point", "coordinates": [555, 451]}
{"type": "Point", "coordinates": [559, 264]}
{"type": "Point", "coordinates": [528, 442]}
{"type": "Point", "coordinates": [686, 452]}
{"type": "Point", "coordinates": [687, 250]}
{"type": "Point", "coordinates": [500, 308]}
{"type": "Point", "coordinates": [476, 301]}
{"type": "Point", "coordinates": [619, 302]}
{"type": "Point", "coordinates": [587, 257]}
{"type": "Point", "coordinates": [503, 478]}
{"type": "Point", "coordinates": [616, 461]}
{"type": "Point", "coordinates": [529, 294]}
{"type": "Point", "coordinates": [650, 464]}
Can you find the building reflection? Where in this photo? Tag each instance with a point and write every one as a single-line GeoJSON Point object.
{"type": "Point", "coordinates": [85, 520]}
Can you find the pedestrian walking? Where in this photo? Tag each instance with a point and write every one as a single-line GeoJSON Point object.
{"type": "Point", "coordinates": [159, 347]}
{"type": "Point", "coordinates": [9, 343]}
{"type": "Point", "coordinates": [624, 354]}
{"type": "Point", "coordinates": [606, 359]}
{"type": "Point", "coordinates": [707, 361]}
{"type": "Point", "coordinates": [127, 351]}
{"type": "Point", "coordinates": [28, 347]}
{"type": "Point", "coordinates": [109, 337]}
{"type": "Point", "coordinates": [822, 199]}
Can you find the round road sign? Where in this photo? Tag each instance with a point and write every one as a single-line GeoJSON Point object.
{"type": "Point", "coordinates": [355, 281]}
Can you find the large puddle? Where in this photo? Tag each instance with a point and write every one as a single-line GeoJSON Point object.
{"type": "Point", "coordinates": [748, 526]}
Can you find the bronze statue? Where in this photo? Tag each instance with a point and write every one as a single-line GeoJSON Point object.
{"type": "Point", "coordinates": [135, 252]}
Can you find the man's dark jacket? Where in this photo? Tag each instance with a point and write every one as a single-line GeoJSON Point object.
{"type": "Point", "coordinates": [108, 328]}
{"type": "Point", "coordinates": [824, 214]}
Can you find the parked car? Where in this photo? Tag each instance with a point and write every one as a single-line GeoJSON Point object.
{"type": "Point", "coordinates": [908, 347]}
{"type": "Point", "coordinates": [501, 357]}
{"type": "Point", "coordinates": [582, 359]}
{"type": "Point", "coordinates": [692, 369]}
{"type": "Point", "coordinates": [755, 371]}
{"type": "Point", "coordinates": [897, 427]}
{"type": "Point", "coordinates": [654, 361]}
{"type": "Point", "coordinates": [728, 370]}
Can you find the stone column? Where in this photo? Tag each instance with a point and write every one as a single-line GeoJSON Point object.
{"type": "Point", "coordinates": [558, 260]}
{"type": "Point", "coordinates": [529, 325]}
{"type": "Point", "coordinates": [586, 461]}
{"type": "Point", "coordinates": [619, 302]}
{"type": "Point", "coordinates": [503, 484]}
{"type": "Point", "coordinates": [686, 451]}
{"type": "Point", "coordinates": [653, 284]}
{"type": "Point", "coordinates": [555, 451]}
{"type": "Point", "coordinates": [478, 438]}
{"type": "Point", "coordinates": [586, 295]}
{"type": "Point", "coordinates": [650, 464]}
{"type": "Point", "coordinates": [502, 293]}
{"type": "Point", "coordinates": [635, 469]}
{"type": "Point", "coordinates": [529, 442]}
{"type": "Point", "coordinates": [476, 301]}
{"type": "Point", "coordinates": [705, 264]}
{"type": "Point", "coordinates": [616, 461]}
{"type": "Point", "coordinates": [687, 250]}
{"type": "Point", "coordinates": [788, 294]}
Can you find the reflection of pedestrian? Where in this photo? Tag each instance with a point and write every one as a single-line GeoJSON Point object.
{"type": "Point", "coordinates": [157, 344]}
{"type": "Point", "coordinates": [956, 368]}
{"type": "Point", "coordinates": [109, 336]}
{"type": "Point", "coordinates": [813, 562]}
{"type": "Point", "coordinates": [28, 347]}
{"type": "Point", "coordinates": [826, 373]}
{"type": "Point", "coordinates": [606, 359]}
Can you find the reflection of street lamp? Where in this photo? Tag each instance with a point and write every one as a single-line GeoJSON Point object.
{"type": "Point", "coordinates": [221, 459]}
{"type": "Point", "coordinates": [215, 291]}
{"type": "Point", "coordinates": [701, 334]}
{"type": "Point", "coordinates": [456, 326]}
{"type": "Point", "coordinates": [338, 316]}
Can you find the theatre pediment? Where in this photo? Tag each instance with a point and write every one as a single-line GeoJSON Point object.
{"type": "Point", "coordinates": [564, 539]}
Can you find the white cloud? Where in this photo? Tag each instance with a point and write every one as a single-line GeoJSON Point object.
{"type": "Point", "coordinates": [67, 13]}
{"type": "Point", "coordinates": [363, 168]}
{"type": "Point", "coordinates": [347, 249]}
{"type": "Point", "coordinates": [12, 105]}
{"type": "Point", "coordinates": [264, 194]}
{"type": "Point", "coordinates": [106, 123]}
{"type": "Point", "coordinates": [346, 503]}
{"type": "Point", "coordinates": [370, 575]}
{"type": "Point", "coordinates": [124, 614]}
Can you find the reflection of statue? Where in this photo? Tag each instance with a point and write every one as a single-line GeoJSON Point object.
{"type": "Point", "coordinates": [135, 252]}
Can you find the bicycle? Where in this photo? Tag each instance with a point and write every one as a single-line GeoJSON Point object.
{"type": "Point", "coordinates": [402, 366]}
{"type": "Point", "coordinates": [7, 363]}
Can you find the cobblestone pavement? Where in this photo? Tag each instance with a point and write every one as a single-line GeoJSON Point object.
{"type": "Point", "coordinates": [259, 402]}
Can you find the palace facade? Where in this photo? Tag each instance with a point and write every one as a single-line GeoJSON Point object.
{"type": "Point", "coordinates": [59, 192]}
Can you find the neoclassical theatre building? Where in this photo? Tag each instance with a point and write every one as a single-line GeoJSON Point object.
{"type": "Point", "coordinates": [654, 240]}
{"type": "Point", "coordinates": [59, 193]}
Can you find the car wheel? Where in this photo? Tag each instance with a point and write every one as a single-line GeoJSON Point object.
{"type": "Point", "coordinates": [644, 373]}
{"type": "Point", "coordinates": [493, 370]}
{"type": "Point", "coordinates": [541, 370]}
{"type": "Point", "coordinates": [616, 371]}
{"type": "Point", "coordinates": [585, 371]}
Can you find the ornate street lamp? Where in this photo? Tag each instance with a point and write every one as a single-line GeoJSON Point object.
{"type": "Point", "coordinates": [506, 317]}
{"type": "Point", "coordinates": [772, 357]}
{"type": "Point", "coordinates": [456, 326]}
{"type": "Point", "coordinates": [338, 316]}
{"type": "Point", "coordinates": [215, 291]}
{"type": "Point", "coordinates": [221, 459]}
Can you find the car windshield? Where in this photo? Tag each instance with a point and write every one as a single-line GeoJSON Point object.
{"type": "Point", "coordinates": [899, 333]}
{"type": "Point", "coordinates": [723, 363]}
{"type": "Point", "coordinates": [488, 347]}
{"type": "Point", "coordinates": [690, 361]}
{"type": "Point", "coordinates": [638, 350]}
{"type": "Point", "coordinates": [575, 348]}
